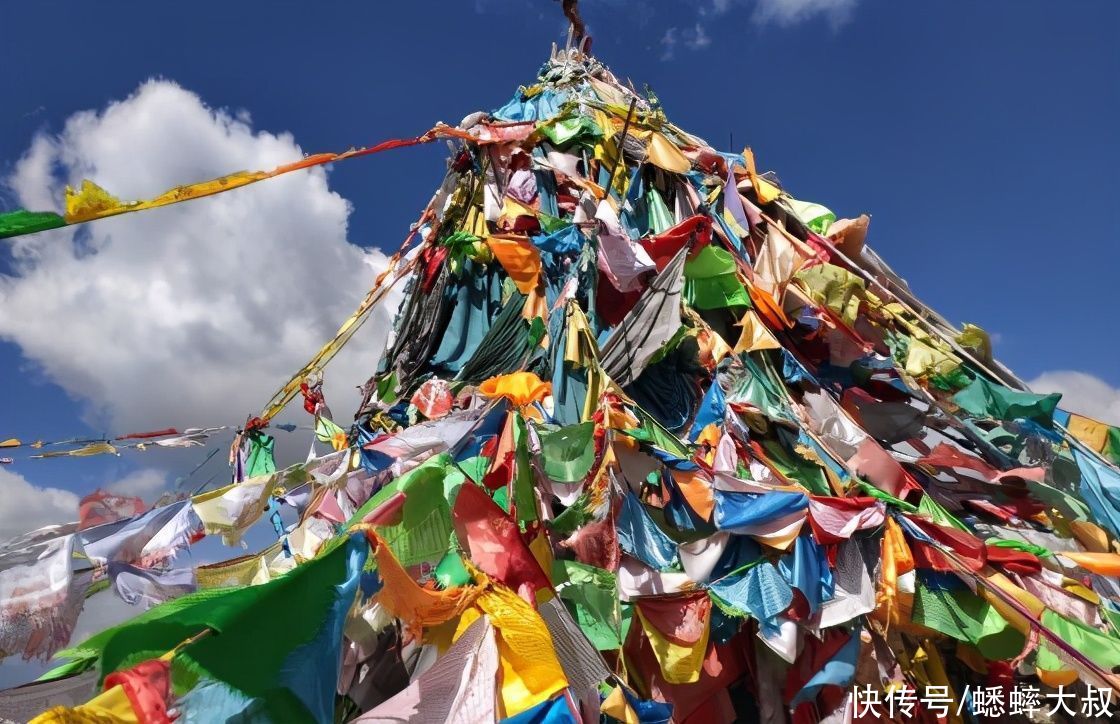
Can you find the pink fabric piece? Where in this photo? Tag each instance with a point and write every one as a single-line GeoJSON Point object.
{"type": "Point", "coordinates": [753, 212]}
{"type": "Point", "coordinates": [1037, 475]}
{"type": "Point", "coordinates": [1047, 586]}
{"type": "Point", "coordinates": [874, 463]}
{"type": "Point", "coordinates": [385, 512]}
{"type": "Point", "coordinates": [842, 523]}
{"type": "Point", "coordinates": [945, 455]}
{"type": "Point", "coordinates": [622, 261]}
{"type": "Point", "coordinates": [329, 509]}
{"type": "Point", "coordinates": [503, 134]}
{"type": "Point", "coordinates": [727, 457]}
{"type": "Point", "coordinates": [522, 186]}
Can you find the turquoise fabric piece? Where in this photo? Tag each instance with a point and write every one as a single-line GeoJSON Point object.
{"type": "Point", "coordinates": [635, 213]}
{"type": "Point", "coordinates": [504, 346]}
{"type": "Point", "coordinates": [569, 384]}
{"type": "Point", "coordinates": [260, 460]}
{"type": "Point", "coordinates": [768, 594]}
{"type": "Point", "coordinates": [988, 399]}
{"type": "Point", "coordinates": [639, 535]}
{"type": "Point", "coordinates": [730, 593]}
{"type": "Point", "coordinates": [661, 219]}
{"type": "Point", "coordinates": [1100, 489]}
{"type": "Point", "coordinates": [311, 671]}
{"type": "Point", "coordinates": [213, 701]}
{"type": "Point", "coordinates": [758, 591]}
{"type": "Point", "coordinates": [474, 300]}
{"type": "Point", "coordinates": [712, 409]}
{"type": "Point", "coordinates": [807, 570]}
{"type": "Point", "coordinates": [564, 241]}
{"type": "Point", "coordinates": [540, 107]}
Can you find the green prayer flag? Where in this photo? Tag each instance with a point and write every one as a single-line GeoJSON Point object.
{"type": "Point", "coordinates": [501, 498]}
{"type": "Point", "coordinates": [818, 218]}
{"type": "Point", "coordinates": [871, 491]}
{"type": "Point", "coordinates": [930, 507]}
{"type": "Point", "coordinates": [652, 432]}
{"type": "Point", "coordinates": [988, 399]}
{"type": "Point", "coordinates": [16, 223]}
{"type": "Point", "coordinates": [592, 595]}
{"type": "Point", "coordinates": [564, 131]}
{"type": "Point", "coordinates": [277, 642]}
{"type": "Point", "coordinates": [711, 281]}
{"type": "Point", "coordinates": [568, 452]}
{"type": "Point", "coordinates": [451, 573]}
{"type": "Point", "coordinates": [425, 530]}
{"type": "Point", "coordinates": [760, 389]}
{"type": "Point", "coordinates": [475, 468]}
{"type": "Point", "coordinates": [1019, 545]}
{"type": "Point", "coordinates": [966, 617]}
{"type": "Point", "coordinates": [573, 518]}
{"type": "Point", "coordinates": [1112, 449]}
{"type": "Point", "coordinates": [795, 467]}
{"type": "Point", "coordinates": [1100, 648]}
{"type": "Point", "coordinates": [523, 497]}
{"type": "Point", "coordinates": [261, 460]}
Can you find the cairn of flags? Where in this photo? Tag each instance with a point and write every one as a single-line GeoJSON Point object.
{"type": "Point", "coordinates": [652, 440]}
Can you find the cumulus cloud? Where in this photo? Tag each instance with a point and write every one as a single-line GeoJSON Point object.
{"type": "Point", "coordinates": [791, 12]}
{"type": "Point", "coordinates": [27, 507]}
{"type": "Point", "coordinates": [786, 12]}
{"type": "Point", "coordinates": [1082, 393]}
{"type": "Point", "coordinates": [192, 314]}
{"type": "Point", "coordinates": [146, 484]}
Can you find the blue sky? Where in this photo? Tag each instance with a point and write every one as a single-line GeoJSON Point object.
{"type": "Point", "coordinates": [981, 137]}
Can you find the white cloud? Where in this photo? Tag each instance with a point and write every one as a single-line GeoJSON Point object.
{"type": "Point", "coordinates": [698, 38]}
{"type": "Point", "coordinates": [146, 484]}
{"type": "Point", "coordinates": [27, 507]}
{"type": "Point", "coordinates": [194, 314]}
{"type": "Point", "coordinates": [787, 12]}
{"type": "Point", "coordinates": [1082, 393]}
{"type": "Point", "coordinates": [694, 38]}
{"type": "Point", "coordinates": [669, 43]}
{"type": "Point", "coordinates": [791, 12]}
